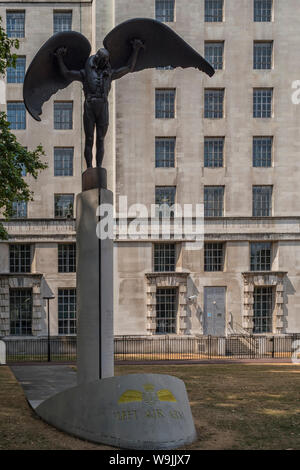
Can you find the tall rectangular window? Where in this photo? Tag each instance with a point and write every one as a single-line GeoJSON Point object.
{"type": "Point", "coordinates": [166, 310]}
{"type": "Point", "coordinates": [63, 115]}
{"type": "Point", "coordinates": [263, 309]}
{"type": "Point", "coordinates": [213, 201]}
{"type": "Point", "coordinates": [213, 11]}
{"type": "Point", "coordinates": [67, 311]}
{"type": "Point", "coordinates": [20, 309]}
{"type": "Point", "coordinates": [20, 209]}
{"type": "Point", "coordinates": [262, 102]}
{"type": "Point", "coordinates": [63, 161]}
{"type": "Point", "coordinates": [213, 256]}
{"type": "Point", "coordinates": [261, 256]}
{"type": "Point", "coordinates": [16, 115]}
{"type": "Point", "coordinates": [213, 152]}
{"type": "Point", "coordinates": [19, 258]}
{"type": "Point", "coordinates": [62, 21]}
{"type": "Point", "coordinates": [165, 152]}
{"type": "Point", "coordinates": [164, 10]}
{"type": "Point", "coordinates": [262, 55]}
{"type": "Point", "coordinates": [17, 74]}
{"type": "Point", "coordinates": [165, 103]}
{"type": "Point", "coordinates": [164, 198]}
{"type": "Point", "coordinates": [67, 258]}
{"type": "Point", "coordinates": [262, 151]}
{"type": "Point", "coordinates": [164, 257]}
{"type": "Point", "coordinates": [213, 103]}
{"type": "Point", "coordinates": [63, 205]}
{"type": "Point", "coordinates": [15, 24]}
{"type": "Point", "coordinates": [262, 201]}
{"type": "Point", "coordinates": [214, 52]}
{"type": "Point", "coordinates": [263, 10]}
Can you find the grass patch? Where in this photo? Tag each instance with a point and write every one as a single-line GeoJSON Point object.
{"type": "Point", "coordinates": [235, 406]}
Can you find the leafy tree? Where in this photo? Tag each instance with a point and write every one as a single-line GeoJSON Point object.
{"type": "Point", "coordinates": [14, 158]}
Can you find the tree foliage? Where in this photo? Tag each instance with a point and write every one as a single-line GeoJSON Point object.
{"type": "Point", "coordinates": [14, 158]}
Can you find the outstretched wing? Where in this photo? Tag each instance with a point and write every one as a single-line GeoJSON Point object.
{"type": "Point", "coordinates": [163, 47]}
{"type": "Point", "coordinates": [43, 77]}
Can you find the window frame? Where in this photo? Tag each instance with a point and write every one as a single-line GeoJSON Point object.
{"type": "Point", "coordinates": [214, 154]}
{"type": "Point", "coordinates": [165, 156]}
{"type": "Point", "coordinates": [23, 29]}
{"type": "Point", "coordinates": [264, 60]}
{"type": "Point", "coordinates": [262, 156]}
{"type": "Point", "coordinates": [206, 55]}
{"type": "Point", "coordinates": [258, 210]}
{"type": "Point", "coordinates": [220, 205]}
{"type": "Point", "coordinates": [261, 20]}
{"type": "Point", "coordinates": [165, 18]}
{"type": "Point", "coordinates": [168, 110]}
{"type": "Point", "coordinates": [20, 262]}
{"type": "Point", "coordinates": [65, 323]}
{"type": "Point", "coordinates": [63, 124]}
{"type": "Point", "coordinates": [214, 256]}
{"type": "Point", "coordinates": [215, 18]}
{"type": "Point", "coordinates": [261, 256]}
{"type": "Point", "coordinates": [66, 257]}
{"type": "Point", "coordinates": [214, 105]}
{"type": "Point", "coordinates": [263, 110]}
{"type": "Point", "coordinates": [64, 167]}
{"type": "Point", "coordinates": [19, 124]}
{"type": "Point", "coordinates": [12, 74]}
{"type": "Point", "coordinates": [165, 319]}
{"type": "Point", "coordinates": [61, 12]}
{"type": "Point", "coordinates": [259, 320]}
{"type": "Point", "coordinates": [17, 318]}
{"type": "Point", "coordinates": [165, 257]}
{"type": "Point", "coordinates": [65, 214]}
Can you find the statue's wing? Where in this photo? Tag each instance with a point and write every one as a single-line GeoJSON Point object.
{"type": "Point", "coordinates": [163, 47]}
{"type": "Point", "coordinates": [43, 77]}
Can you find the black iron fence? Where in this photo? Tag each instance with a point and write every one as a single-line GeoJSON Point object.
{"type": "Point", "coordinates": [155, 348]}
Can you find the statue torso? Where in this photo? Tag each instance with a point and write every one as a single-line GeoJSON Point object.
{"type": "Point", "coordinates": [96, 82]}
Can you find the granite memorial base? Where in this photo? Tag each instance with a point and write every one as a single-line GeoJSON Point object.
{"type": "Point", "coordinates": [137, 411]}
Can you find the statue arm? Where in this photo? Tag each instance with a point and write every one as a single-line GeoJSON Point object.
{"type": "Point", "coordinates": [137, 44]}
{"type": "Point", "coordinates": [66, 73]}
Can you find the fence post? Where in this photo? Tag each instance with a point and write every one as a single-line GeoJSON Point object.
{"type": "Point", "coordinates": [273, 347]}
{"type": "Point", "coordinates": [209, 347]}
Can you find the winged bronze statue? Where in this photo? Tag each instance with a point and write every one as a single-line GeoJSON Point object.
{"type": "Point", "coordinates": [134, 45]}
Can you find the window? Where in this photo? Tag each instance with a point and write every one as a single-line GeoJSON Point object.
{"type": "Point", "coordinates": [67, 258]}
{"type": "Point", "coordinates": [165, 103]}
{"type": "Point", "coordinates": [164, 257]}
{"type": "Point", "coordinates": [213, 104]}
{"type": "Point", "coordinates": [262, 151]}
{"type": "Point", "coordinates": [16, 115]}
{"type": "Point", "coordinates": [262, 201]}
{"type": "Point", "coordinates": [19, 258]}
{"type": "Point", "coordinates": [67, 311]}
{"type": "Point", "coordinates": [213, 152]}
{"type": "Point", "coordinates": [260, 256]}
{"type": "Point", "coordinates": [213, 201]}
{"type": "Point", "coordinates": [213, 11]}
{"type": "Point", "coordinates": [166, 310]}
{"type": "Point", "coordinates": [263, 309]}
{"type": "Point", "coordinates": [165, 198]}
{"type": "Point", "coordinates": [62, 21]}
{"type": "Point", "coordinates": [214, 54]}
{"type": "Point", "coordinates": [213, 256]}
{"type": "Point", "coordinates": [262, 55]}
{"type": "Point", "coordinates": [15, 24]}
{"type": "Point", "coordinates": [262, 102]}
{"type": "Point", "coordinates": [263, 10]}
{"type": "Point", "coordinates": [20, 209]}
{"type": "Point", "coordinates": [17, 74]}
{"type": "Point", "coordinates": [164, 10]}
{"type": "Point", "coordinates": [63, 161]}
{"type": "Point", "coordinates": [165, 152]}
{"type": "Point", "coordinates": [63, 205]}
{"type": "Point", "coordinates": [63, 115]}
{"type": "Point", "coordinates": [20, 307]}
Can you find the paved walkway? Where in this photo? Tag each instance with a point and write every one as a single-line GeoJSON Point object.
{"type": "Point", "coordinates": [40, 382]}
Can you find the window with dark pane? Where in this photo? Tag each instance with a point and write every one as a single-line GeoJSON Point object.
{"type": "Point", "coordinates": [63, 161]}
{"type": "Point", "coordinates": [261, 256]}
{"type": "Point", "coordinates": [63, 205]}
{"type": "Point", "coordinates": [63, 115]}
{"type": "Point", "coordinates": [262, 55]}
{"type": "Point", "coordinates": [213, 256]}
{"type": "Point", "coordinates": [19, 258]}
{"type": "Point", "coordinates": [67, 258]}
{"type": "Point", "coordinates": [17, 74]}
{"type": "Point", "coordinates": [62, 21]}
{"type": "Point", "coordinates": [20, 311]}
{"type": "Point", "coordinates": [213, 201]}
{"type": "Point", "coordinates": [20, 210]}
{"type": "Point", "coordinates": [262, 201]}
{"type": "Point", "coordinates": [263, 309]}
{"type": "Point", "coordinates": [164, 198]}
{"type": "Point", "coordinates": [165, 103]}
{"type": "Point", "coordinates": [166, 310]}
{"type": "Point", "coordinates": [164, 10]}
{"type": "Point", "coordinates": [15, 24]}
{"type": "Point", "coordinates": [165, 152]}
{"type": "Point", "coordinates": [16, 115]}
{"type": "Point", "coordinates": [164, 257]}
{"type": "Point", "coordinates": [213, 152]}
{"type": "Point", "coordinates": [67, 311]}
{"type": "Point", "coordinates": [213, 103]}
{"type": "Point", "coordinates": [263, 10]}
{"type": "Point", "coordinates": [214, 54]}
{"type": "Point", "coordinates": [262, 151]}
{"type": "Point", "coordinates": [262, 102]}
{"type": "Point", "coordinates": [213, 11]}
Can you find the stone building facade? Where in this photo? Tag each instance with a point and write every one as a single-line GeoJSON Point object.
{"type": "Point", "coordinates": [230, 143]}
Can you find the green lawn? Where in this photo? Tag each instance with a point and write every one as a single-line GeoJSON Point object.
{"type": "Point", "coordinates": [235, 406]}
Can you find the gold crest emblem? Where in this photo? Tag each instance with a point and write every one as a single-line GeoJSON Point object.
{"type": "Point", "coordinates": [149, 395]}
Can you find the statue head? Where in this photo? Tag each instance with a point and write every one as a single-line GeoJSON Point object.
{"type": "Point", "coordinates": [101, 58]}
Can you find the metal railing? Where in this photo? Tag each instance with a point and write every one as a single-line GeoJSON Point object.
{"type": "Point", "coordinates": [155, 348]}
